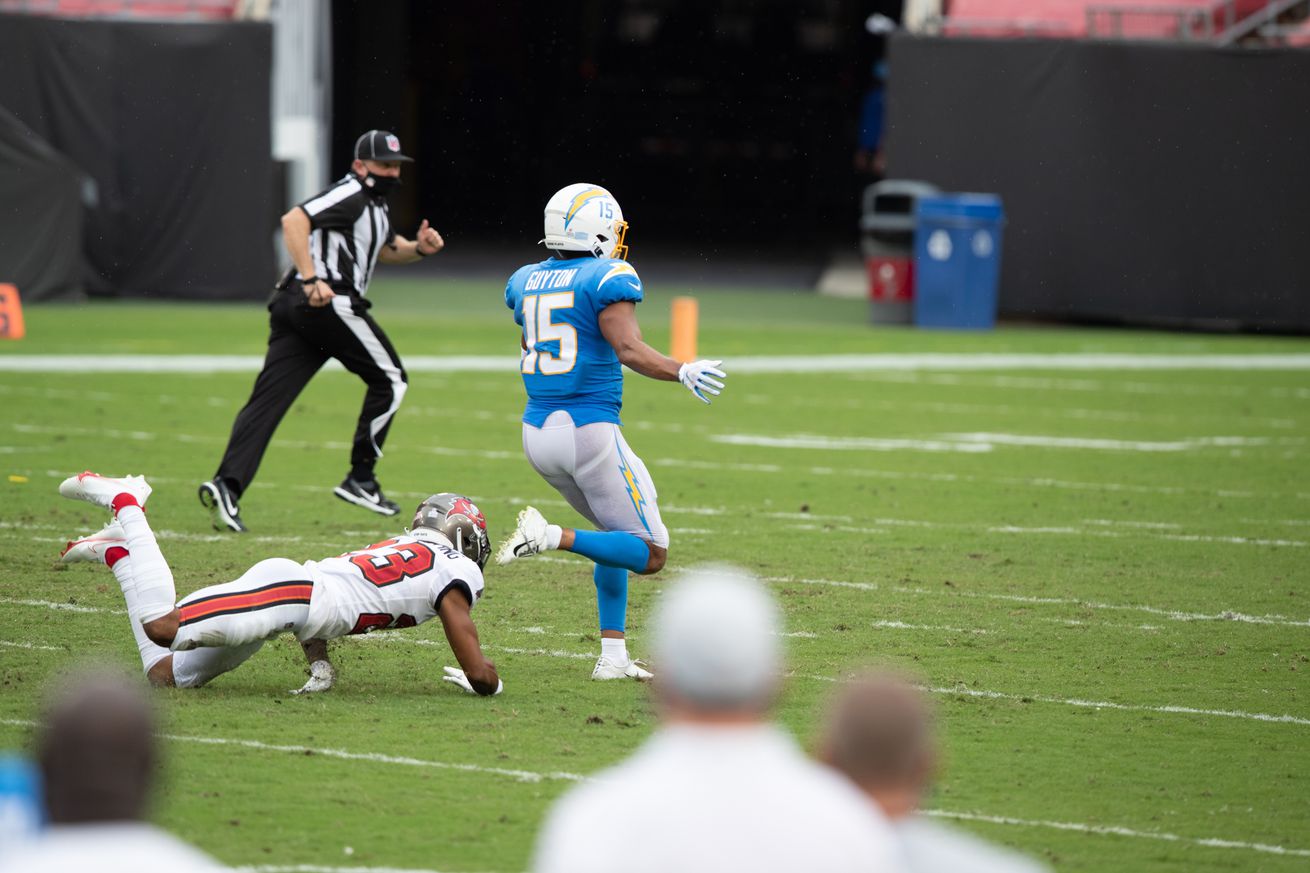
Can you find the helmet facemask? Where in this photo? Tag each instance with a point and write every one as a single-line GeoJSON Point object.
{"type": "Point", "coordinates": [620, 235]}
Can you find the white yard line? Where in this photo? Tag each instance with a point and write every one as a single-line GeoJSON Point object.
{"type": "Point", "coordinates": [65, 607]}
{"type": "Point", "coordinates": [1149, 530]}
{"type": "Point", "coordinates": [965, 691]}
{"type": "Point", "coordinates": [1181, 538]}
{"type": "Point", "coordinates": [1036, 482]}
{"type": "Point", "coordinates": [1144, 530]}
{"type": "Point", "coordinates": [1128, 707]}
{"type": "Point", "coordinates": [974, 443]}
{"type": "Point", "coordinates": [1173, 614]}
{"type": "Point", "coordinates": [373, 757]}
{"type": "Point", "coordinates": [1115, 830]}
{"type": "Point", "coordinates": [533, 777]}
{"type": "Point", "coordinates": [166, 534]}
{"type": "Point", "coordinates": [860, 444]}
{"type": "Point", "coordinates": [1065, 385]}
{"type": "Point", "coordinates": [15, 645]}
{"type": "Point", "coordinates": [1176, 615]}
{"type": "Point", "coordinates": [746, 364]}
{"type": "Point", "coordinates": [692, 464]}
{"type": "Point", "coordinates": [389, 637]}
{"type": "Point", "coordinates": [900, 625]}
{"type": "Point", "coordinates": [1075, 413]}
{"type": "Point", "coordinates": [540, 500]}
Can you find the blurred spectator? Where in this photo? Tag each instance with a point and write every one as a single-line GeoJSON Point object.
{"type": "Point", "coordinates": [718, 787]}
{"type": "Point", "coordinates": [879, 734]}
{"type": "Point", "coordinates": [96, 749]}
{"type": "Point", "coordinates": [868, 148]}
{"type": "Point", "coordinates": [922, 16]}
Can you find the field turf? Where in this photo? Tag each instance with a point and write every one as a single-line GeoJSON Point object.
{"type": "Point", "coordinates": [1110, 606]}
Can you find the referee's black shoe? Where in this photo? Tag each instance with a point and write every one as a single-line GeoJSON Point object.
{"type": "Point", "coordinates": [222, 505]}
{"type": "Point", "coordinates": [366, 494]}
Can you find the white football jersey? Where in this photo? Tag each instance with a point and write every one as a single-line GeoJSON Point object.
{"type": "Point", "coordinates": [396, 583]}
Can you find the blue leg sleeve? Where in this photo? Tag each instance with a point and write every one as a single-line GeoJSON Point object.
{"type": "Point", "coordinates": [611, 596]}
{"type": "Point", "coordinates": [612, 548]}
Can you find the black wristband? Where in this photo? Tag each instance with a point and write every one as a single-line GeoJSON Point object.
{"type": "Point", "coordinates": [309, 280]}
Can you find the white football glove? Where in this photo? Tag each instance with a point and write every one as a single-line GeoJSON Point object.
{"type": "Point", "coordinates": [456, 676]}
{"type": "Point", "coordinates": [702, 377]}
{"type": "Point", "coordinates": [321, 676]}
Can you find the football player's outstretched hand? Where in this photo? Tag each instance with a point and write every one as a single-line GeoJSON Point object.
{"type": "Point", "coordinates": [456, 676]}
{"type": "Point", "coordinates": [702, 377]}
{"type": "Point", "coordinates": [321, 676]}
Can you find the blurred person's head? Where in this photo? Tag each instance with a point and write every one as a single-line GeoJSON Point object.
{"type": "Point", "coordinates": [716, 641]}
{"type": "Point", "coordinates": [879, 733]}
{"type": "Point", "coordinates": [377, 161]}
{"type": "Point", "coordinates": [96, 749]}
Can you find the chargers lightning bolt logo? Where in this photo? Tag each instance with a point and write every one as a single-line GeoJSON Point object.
{"type": "Point", "coordinates": [580, 199]}
{"type": "Point", "coordinates": [634, 488]}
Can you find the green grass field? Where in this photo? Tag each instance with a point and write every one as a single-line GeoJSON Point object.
{"type": "Point", "coordinates": [1114, 618]}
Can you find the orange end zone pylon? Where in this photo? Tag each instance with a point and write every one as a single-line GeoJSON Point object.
{"type": "Point", "coordinates": [683, 328]}
{"type": "Point", "coordinates": [11, 313]}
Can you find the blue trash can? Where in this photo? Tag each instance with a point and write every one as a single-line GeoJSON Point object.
{"type": "Point", "coordinates": [20, 803]}
{"type": "Point", "coordinates": [957, 260]}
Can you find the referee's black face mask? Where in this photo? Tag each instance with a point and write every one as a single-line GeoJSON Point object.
{"type": "Point", "coordinates": [380, 185]}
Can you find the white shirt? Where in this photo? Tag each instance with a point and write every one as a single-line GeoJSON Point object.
{"type": "Point", "coordinates": [124, 847]}
{"type": "Point", "coordinates": [698, 798]}
{"type": "Point", "coordinates": [932, 847]}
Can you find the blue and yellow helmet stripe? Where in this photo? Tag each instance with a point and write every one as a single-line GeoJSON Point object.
{"type": "Point", "coordinates": [581, 199]}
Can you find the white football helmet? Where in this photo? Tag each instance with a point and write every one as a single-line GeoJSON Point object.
{"type": "Point", "coordinates": [586, 218]}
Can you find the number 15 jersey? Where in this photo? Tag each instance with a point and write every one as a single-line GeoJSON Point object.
{"type": "Point", "coordinates": [396, 583]}
{"type": "Point", "coordinates": [568, 364]}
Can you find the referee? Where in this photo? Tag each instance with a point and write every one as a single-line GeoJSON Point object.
{"type": "Point", "coordinates": [334, 239]}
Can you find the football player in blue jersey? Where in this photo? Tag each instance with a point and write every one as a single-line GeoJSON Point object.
{"type": "Point", "coordinates": [578, 314]}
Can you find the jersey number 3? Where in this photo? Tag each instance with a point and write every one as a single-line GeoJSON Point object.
{"type": "Point", "coordinates": [392, 565]}
{"type": "Point", "coordinates": [540, 327]}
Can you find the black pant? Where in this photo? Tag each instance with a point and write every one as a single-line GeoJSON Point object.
{"type": "Point", "coordinates": [301, 340]}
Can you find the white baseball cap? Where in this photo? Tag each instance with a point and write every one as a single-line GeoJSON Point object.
{"type": "Point", "coordinates": [716, 638]}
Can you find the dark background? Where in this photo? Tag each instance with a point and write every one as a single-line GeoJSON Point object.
{"type": "Point", "coordinates": [169, 125]}
{"type": "Point", "coordinates": [712, 121]}
{"type": "Point", "coordinates": [1156, 184]}
{"type": "Point", "coordinates": [1143, 183]}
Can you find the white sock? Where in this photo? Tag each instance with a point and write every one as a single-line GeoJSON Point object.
{"type": "Point", "coordinates": [615, 650]}
{"type": "Point", "coordinates": [151, 653]}
{"type": "Point", "coordinates": [553, 534]}
{"type": "Point", "coordinates": [153, 580]}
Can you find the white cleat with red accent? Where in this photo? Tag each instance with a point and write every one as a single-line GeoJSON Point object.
{"type": "Point", "coordinates": [92, 547]}
{"type": "Point", "coordinates": [101, 490]}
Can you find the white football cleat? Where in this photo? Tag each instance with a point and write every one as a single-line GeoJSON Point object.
{"type": "Point", "coordinates": [92, 547]}
{"type": "Point", "coordinates": [528, 539]}
{"type": "Point", "coordinates": [101, 490]}
{"type": "Point", "coordinates": [607, 669]}
{"type": "Point", "coordinates": [322, 676]}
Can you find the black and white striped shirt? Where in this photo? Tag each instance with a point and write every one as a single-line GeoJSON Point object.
{"type": "Point", "coordinates": [350, 226]}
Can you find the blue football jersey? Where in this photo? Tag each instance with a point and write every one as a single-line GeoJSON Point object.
{"type": "Point", "coordinates": [568, 363]}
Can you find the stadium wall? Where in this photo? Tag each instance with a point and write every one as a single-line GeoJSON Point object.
{"type": "Point", "coordinates": [1143, 183]}
{"type": "Point", "coordinates": [171, 125]}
